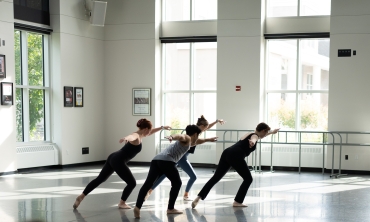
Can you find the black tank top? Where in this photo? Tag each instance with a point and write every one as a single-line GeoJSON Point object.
{"type": "Point", "coordinates": [192, 149]}
{"type": "Point", "coordinates": [244, 145]}
{"type": "Point", "coordinates": [128, 151]}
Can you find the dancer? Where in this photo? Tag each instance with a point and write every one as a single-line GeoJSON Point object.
{"type": "Point", "coordinates": [184, 162]}
{"type": "Point", "coordinates": [117, 162]}
{"type": "Point", "coordinates": [234, 156]}
{"type": "Point", "coordinates": [165, 163]}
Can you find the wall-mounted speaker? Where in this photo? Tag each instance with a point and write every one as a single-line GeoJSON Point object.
{"type": "Point", "coordinates": [97, 14]}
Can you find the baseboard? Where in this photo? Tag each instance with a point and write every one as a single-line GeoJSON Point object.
{"type": "Point", "coordinates": [312, 169]}
{"type": "Point", "coordinates": [138, 163]}
{"type": "Point", "coordinates": [204, 165]}
{"type": "Point", "coordinates": [8, 173]}
{"type": "Point", "coordinates": [53, 167]}
{"type": "Point", "coordinates": [284, 168]}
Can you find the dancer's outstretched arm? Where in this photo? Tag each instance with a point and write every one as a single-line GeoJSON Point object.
{"type": "Point", "coordinates": [182, 138]}
{"type": "Point", "coordinates": [221, 121]}
{"type": "Point", "coordinates": [159, 129]}
{"type": "Point", "coordinates": [273, 131]}
{"type": "Point", "coordinates": [201, 141]}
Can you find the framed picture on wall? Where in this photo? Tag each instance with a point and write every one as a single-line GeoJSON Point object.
{"type": "Point", "coordinates": [79, 97]}
{"type": "Point", "coordinates": [141, 102]}
{"type": "Point", "coordinates": [2, 66]}
{"type": "Point", "coordinates": [68, 96]}
{"type": "Point", "coordinates": [6, 93]}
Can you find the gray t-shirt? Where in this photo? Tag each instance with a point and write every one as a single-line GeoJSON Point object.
{"type": "Point", "coordinates": [172, 153]}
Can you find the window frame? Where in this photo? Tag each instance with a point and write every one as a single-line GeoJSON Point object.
{"type": "Point", "coordinates": [299, 13]}
{"type": "Point", "coordinates": [192, 9]}
{"type": "Point", "coordinates": [298, 90]}
{"type": "Point", "coordinates": [25, 87]}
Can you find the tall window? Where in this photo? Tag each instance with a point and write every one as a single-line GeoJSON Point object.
{"type": "Point", "coordinates": [185, 10]}
{"type": "Point", "coordinates": [32, 86]}
{"type": "Point", "coordinates": [284, 8]}
{"type": "Point", "coordinates": [189, 83]}
{"type": "Point", "coordinates": [297, 83]}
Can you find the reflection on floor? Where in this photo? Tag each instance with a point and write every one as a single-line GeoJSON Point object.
{"type": "Point", "coordinates": [279, 196]}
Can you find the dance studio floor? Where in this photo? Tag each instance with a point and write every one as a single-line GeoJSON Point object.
{"type": "Point", "coordinates": [279, 196]}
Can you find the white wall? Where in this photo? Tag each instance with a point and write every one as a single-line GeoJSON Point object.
{"type": "Point", "coordinates": [239, 36]}
{"type": "Point", "coordinates": [349, 78]}
{"type": "Point", "coordinates": [77, 59]}
{"type": "Point", "coordinates": [189, 28]}
{"type": "Point", "coordinates": [131, 61]}
{"type": "Point", "coordinates": [7, 113]}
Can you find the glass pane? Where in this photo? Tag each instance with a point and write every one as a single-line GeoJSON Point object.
{"type": "Point", "coordinates": [205, 66]}
{"type": "Point", "coordinates": [19, 114]}
{"type": "Point", "coordinates": [314, 111]}
{"type": "Point", "coordinates": [177, 63]}
{"type": "Point", "coordinates": [205, 104]}
{"type": "Point", "coordinates": [35, 59]}
{"type": "Point", "coordinates": [282, 64]}
{"type": "Point", "coordinates": [315, 64]}
{"type": "Point", "coordinates": [205, 9]}
{"type": "Point", "coordinates": [36, 112]}
{"type": "Point", "coordinates": [178, 10]}
{"type": "Point", "coordinates": [176, 111]}
{"type": "Point", "coordinates": [281, 110]}
{"type": "Point", "coordinates": [282, 8]}
{"type": "Point", "coordinates": [18, 63]}
{"type": "Point", "coordinates": [315, 7]}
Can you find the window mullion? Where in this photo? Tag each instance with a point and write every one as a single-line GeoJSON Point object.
{"type": "Point", "coordinates": [191, 79]}
{"type": "Point", "coordinates": [163, 81]}
{"type": "Point", "coordinates": [24, 58]}
{"type": "Point", "coordinates": [26, 116]}
{"type": "Point", "coordinates": [298, 80]}
{"type": "Point", "coordinates": [191, 10]}
{"type": "Point", "coordinates": [47, 92]}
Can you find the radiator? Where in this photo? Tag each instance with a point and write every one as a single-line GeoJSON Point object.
{"type": "Point", "coordinates": [37, 156]}
{"type": "Point", "coordinates": [288, 155]}
{"type": "Point", "coordinates": [205, 153]}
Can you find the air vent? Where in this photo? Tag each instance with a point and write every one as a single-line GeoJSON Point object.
{"type": "Point", "coordinates": [29, 149]}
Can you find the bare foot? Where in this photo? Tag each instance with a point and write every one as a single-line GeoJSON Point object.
{"type": "Point", "coordinates": [236, 204]}
{"type": "Point", "coordinates": [148, 194]}
{"type": "Point", "coordinates": [136, 212]}
{"type": "Point", "coordinates": [78, 201]}
{"type": "Point", "coordinates": [174, 211]}
{"type": "Point", "coordinates": [122, 205]}
{"type": "Point", "coordinates": [195, 202]}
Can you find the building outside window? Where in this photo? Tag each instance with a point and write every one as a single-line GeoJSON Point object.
{"type": "Point", "coordinates": [32, 86]}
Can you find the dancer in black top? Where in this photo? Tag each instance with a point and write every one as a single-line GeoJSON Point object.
{"type": "Point", "coordinates": [117, 162]}
{"type": "Point", "coordinates": [234, 156]}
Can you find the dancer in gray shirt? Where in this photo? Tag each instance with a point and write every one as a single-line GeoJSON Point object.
{"type": "Point", "coordinates": [165, 163]}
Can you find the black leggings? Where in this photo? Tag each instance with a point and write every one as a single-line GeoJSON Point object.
{"type": "Point", "coordinates": [157, 168]}
{"type": "Point", "coordinates": [231, 157]}
{"type": "Point", "coordinates": [114, 164]}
